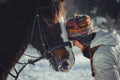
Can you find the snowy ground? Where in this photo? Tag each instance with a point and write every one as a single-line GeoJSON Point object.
{"type": "Point", "coordinates": [42, 70]}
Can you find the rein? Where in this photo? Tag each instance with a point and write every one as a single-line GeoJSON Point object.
{"type": "Point", "coordinates": [48, 52]}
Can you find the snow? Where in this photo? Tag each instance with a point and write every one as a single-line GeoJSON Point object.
{"type": "Point", "coordinates": [42, 70]}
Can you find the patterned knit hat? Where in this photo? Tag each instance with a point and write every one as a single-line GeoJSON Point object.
{"type": "Point", "coordinates": [78, 25]}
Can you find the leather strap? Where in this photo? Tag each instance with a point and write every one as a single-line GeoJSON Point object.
{"type": "Point", "coordinates": [91, 53]}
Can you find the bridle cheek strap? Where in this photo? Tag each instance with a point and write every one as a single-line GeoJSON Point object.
{"type": "Point", "coordinates": [60, 46]}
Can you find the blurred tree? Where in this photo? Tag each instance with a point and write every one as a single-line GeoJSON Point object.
{"type": "Point", "coordinates": [110, 7]}
{"type": "Point", "coordinates": [85, 5]}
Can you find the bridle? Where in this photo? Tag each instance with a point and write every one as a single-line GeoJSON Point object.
{"type": "Point", "coordinates": [47, 51]}
{"type": "Point", "coordinates": [44, 43]}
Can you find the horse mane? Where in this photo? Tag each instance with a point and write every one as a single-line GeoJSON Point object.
{"type": "Point", "coordinates": [58, 10]}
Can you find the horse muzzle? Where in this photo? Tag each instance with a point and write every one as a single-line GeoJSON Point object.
{"type": "Point", "coordinates": [63, 65]}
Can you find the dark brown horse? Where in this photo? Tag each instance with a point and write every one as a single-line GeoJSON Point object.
{"type": "Point", "coordinates": [35, 22]}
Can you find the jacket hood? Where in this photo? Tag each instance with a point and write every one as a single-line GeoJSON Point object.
{"type": "Point", "coordinates": [105, 37]}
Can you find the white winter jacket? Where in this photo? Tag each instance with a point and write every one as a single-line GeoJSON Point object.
{"type": "Point", "coordinates": [106, 60]}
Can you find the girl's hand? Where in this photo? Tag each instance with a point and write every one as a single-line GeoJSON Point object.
{"type": "Point", "coordinates": [78, 44]}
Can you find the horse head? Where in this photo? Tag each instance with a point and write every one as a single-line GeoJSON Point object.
{"type": "Point", "coordinates": [53, 44]}
{"type": "Point", "coordinates": [52, 40]}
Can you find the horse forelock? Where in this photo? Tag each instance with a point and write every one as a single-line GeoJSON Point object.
{"type": "Point", "coordinates": [57, 10]}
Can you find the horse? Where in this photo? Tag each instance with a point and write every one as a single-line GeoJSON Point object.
{"type": "Point", "coordinates": [39, 23]}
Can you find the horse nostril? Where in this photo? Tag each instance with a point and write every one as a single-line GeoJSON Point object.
{"type": "Point", "coordinates": [65, 64]}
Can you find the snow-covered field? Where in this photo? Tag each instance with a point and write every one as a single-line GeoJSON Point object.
{"type": "Point", "coordinates": [42, 70]}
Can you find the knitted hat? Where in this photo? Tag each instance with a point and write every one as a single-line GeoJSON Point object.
{"type": "Point", "coordinates": [78, 25]}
